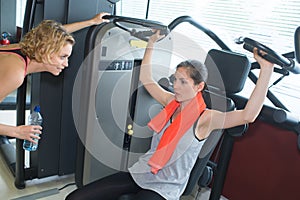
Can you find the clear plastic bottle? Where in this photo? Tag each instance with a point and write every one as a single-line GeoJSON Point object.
{"type": "Point", "coordinates": [35, 118]}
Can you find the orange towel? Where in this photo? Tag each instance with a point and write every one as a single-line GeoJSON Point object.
{"type": "Point", "coordinates": [185, 119]}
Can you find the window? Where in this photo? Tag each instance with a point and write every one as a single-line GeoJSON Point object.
{"type": "Point", "coordinates": [132, 8]}
{"type": "Point", "coordinates": [272, 23]}
{"type": "Point", "coordinates": [21, 5]}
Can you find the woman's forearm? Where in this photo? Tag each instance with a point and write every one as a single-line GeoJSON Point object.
{"type": "Point", "coordinates": [73, 27]}
{"type": "Point", "coordinates": [146, 69]}
{"type": "Point", "coordinates": [76, 26]}
{"type": "Point", "coordinates": [7, 130]}
{"type": "Point", "coordinates": [257, 98]}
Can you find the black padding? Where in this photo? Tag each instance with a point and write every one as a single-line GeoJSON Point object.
{"type": "Point", "coordinates": [297, 44]}
{"type": "Point", "coordinates": [218, 101]}
{"type": "Point", "coordinates": [206, 177]}
{"type": "Point", "coordinates": [227, 71]}
{"type": "Point", "coordinates": [237, 131]}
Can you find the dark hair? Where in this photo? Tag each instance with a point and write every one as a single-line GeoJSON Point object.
{"type": "Point", "coordinates": [196, 69]}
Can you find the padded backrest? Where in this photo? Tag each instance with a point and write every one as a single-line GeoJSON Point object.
{"type": "Point", "coordinates": [217, 101]}
{"type": "Point", "coordinates": [227, 71]}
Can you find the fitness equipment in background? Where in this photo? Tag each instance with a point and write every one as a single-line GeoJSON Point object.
{"type": "Point", "coordinates": [113, 105]}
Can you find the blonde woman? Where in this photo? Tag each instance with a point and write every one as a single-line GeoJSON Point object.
{"type": "Point", "coordinates": [46, 48]}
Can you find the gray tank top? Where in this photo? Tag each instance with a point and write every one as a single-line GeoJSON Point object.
{"type": "Point", "coordinates": [170, 181]}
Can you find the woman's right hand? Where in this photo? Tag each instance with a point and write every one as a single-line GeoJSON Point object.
{"type": "Point", "coordinates": [28, 132]}
{"type": "Point", "coordinates": [97, 19]}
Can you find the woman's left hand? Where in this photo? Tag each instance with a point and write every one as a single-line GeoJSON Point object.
{"type": "Point", "coordinates": [262, 62]}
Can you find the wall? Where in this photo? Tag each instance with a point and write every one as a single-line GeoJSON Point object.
{"type": "Point", "coordinates": [8, 16]}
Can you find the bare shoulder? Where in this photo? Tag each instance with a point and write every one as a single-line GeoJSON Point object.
{"type": "Point", "coordinates": [209, 121]}
{"type": "Point", "coordinates": [208, 118]}
{"type": "Point", "coordinates": [10, 65]}
{"type": "Point", "coordinates": [12, 72]}
{"type": "Point", "coordinates": [203, 125]}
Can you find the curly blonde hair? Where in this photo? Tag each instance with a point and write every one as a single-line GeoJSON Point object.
{"type": "Point", "coordinates": [47, 38]}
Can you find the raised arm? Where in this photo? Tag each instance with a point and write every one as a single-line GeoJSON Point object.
{"type": "Point", "coordinates": [96, 20]}
{"type": "Point", "coordinates": [255, 102]}
{"type": "Point", "coordinates": [154, 89]}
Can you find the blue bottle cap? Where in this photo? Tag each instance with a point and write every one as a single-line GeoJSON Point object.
{"type": "Point", "coordinates": [37, 109]}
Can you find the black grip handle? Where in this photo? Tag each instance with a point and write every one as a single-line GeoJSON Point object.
{"type": "Point", "coordinates": [272, 56]}
{"type": "Point", "coordinates": [109, 17]}
{"type": "Point", "coordinates": [143, 34]}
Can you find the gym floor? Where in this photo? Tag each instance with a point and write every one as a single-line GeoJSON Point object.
{"type": "Point", "coordinates": [50, 188]}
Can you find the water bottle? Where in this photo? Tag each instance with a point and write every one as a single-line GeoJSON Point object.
{"type": "Point", "coordinates": [35, 118]}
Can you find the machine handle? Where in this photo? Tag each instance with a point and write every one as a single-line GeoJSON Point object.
{"type": "Point", "coordinates": [129, 24]}
{"type": "Point", "coordinates": [272, 56]}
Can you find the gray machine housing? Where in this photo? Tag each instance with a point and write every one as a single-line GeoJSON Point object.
{"type": "Point", "coordinates": [111, 108]}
